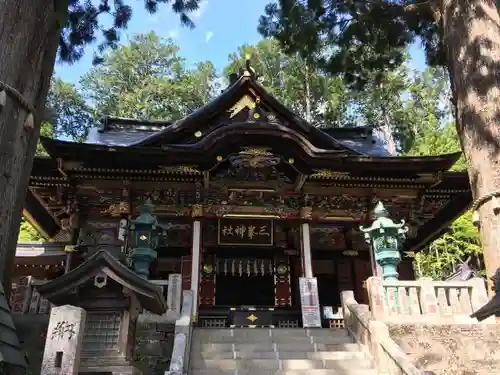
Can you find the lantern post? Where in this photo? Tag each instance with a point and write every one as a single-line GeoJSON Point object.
{"type": "Point", "coordinates": [385, 237]}
{"type": "Point", "coordinates": [144, 233]}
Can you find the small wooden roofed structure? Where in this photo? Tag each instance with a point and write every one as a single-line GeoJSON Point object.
{"type": "Point", "coordinates": [70, 287]}
{"type": "Point", "coordinates": [12, 357]}
{"type": "Point", "coordinates": [246, 117]}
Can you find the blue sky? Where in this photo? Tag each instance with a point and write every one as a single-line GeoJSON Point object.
{"type": "Point", "coordinates": [221, 26]}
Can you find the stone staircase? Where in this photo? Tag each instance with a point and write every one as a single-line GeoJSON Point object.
{"type": "Point", "coordinates": [276, 351]}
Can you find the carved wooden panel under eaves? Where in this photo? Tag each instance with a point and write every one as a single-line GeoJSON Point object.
{"type": "Point", "coordinates": [169, 201]}
{"type": "Point", "coordinates": [176, 234]}
{"type": "Point", "coordinates": [341, 205]}
{"type": "Point", "coordinates": [323, 237]}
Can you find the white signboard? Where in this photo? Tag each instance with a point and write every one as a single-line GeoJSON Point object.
{"type": "Point", "coordinates": [174, 292]}
{"type": "Point", "coordinates": [311, 316]}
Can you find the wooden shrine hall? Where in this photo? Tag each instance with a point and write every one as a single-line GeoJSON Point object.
{"type": "Point", "coordinates": [251, 197]}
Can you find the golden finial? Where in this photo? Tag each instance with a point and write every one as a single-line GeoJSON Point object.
{"type": "Point", "coordinates": [248, 71]}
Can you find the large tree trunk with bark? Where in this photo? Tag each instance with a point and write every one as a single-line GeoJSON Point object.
{"type": "Point", "coordinates": [29, 35]}
{"type": "Point", "coordinates": [471, 36]}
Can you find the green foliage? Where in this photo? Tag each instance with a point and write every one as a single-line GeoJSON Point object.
{"type": "Point", "coordinates": [147, 79]}
{"type": "Point", "coordinates": [81, 20]}
{"type": "Point", "coordinates": [27, 233]}
{"type": "Point", "coordinates": [321, 99]}
{"type": "Point", "coordinates": [68, 113]}
{"type": "Point", "coordinates": [364, 38]}
{"type": "Point", "coordinates": [440, 258]}
{"type": "Point", "coordinates": [431, 137]}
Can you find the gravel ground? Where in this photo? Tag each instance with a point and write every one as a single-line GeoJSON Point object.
{"type": "Point", "coordinates": [451, 349]}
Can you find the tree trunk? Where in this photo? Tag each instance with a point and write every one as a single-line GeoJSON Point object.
{"type": "Point", "coordinates": [29, 34]}
{"type": "Point", "coordinates": [471, 36]}
{"type": "Point", "coordinates": [308, 94]}
{"type": "Point", "coordinates": [386, 130]}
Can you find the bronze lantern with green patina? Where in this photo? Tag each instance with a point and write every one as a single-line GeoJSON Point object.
{"type": "Point", "coordinates": [144, 233]}
{"type": "Point", "coordinates": [386, 238]}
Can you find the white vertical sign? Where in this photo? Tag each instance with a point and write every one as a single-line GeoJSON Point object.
{"type": "Point", "coordinates": [309, 299]}
{"type": "Point", "coordinates": [174, 292]}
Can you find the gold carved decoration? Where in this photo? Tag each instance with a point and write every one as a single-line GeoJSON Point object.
{"type": "Point", "coordinates": [197, 210]}
{"type": "Point", "coordinates": [117, 209]}
{"type": "Point", "coordinates": [244, 102]}
{"type": "Point", "coordinates": [306, 213]}
{"type": "Point", "coordinates": [184, 169]}
{"type": "Point", "coordinates": [326, 173]}
{"type": "Point", "coordinates": [252, 318]}
{"type": "Point", "coordinates": [256, 151]}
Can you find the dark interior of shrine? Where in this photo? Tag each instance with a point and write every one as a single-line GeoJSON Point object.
{"type": "Point", "coordinates": [253, 290]}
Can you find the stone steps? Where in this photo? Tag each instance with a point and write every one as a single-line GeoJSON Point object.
{"type": "Point", "coordinates": [278, 364]}
{"type": "Point", "coordinates": [352, 371]}
{"type": "Point", "coordinates": [270, 346]}
{"type": "Point", "coordinates": [276, 352]}
{"type": "Point", "coordinates": [319, 356]}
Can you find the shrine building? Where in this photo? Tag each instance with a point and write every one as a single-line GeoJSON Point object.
{"type": "Point", "coordinates": [249, 196]}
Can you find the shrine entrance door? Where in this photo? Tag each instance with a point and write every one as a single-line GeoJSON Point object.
{"type": "Point", "coordinates": [244, 282]}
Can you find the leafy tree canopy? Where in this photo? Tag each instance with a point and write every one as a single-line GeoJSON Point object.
{"type": "Point", "coordinates": [321, 99]}
{"type": "Point", "coordinates": [364, 37]}
{"type": "Point", "coordinates": [82, 25]}
{"type": "Point", "coordinates": [68, 113]}
{"type": "Point", "coordinates": [147, 79]}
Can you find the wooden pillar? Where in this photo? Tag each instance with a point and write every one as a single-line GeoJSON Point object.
{"type": "Point", "coordinates": [207, 282]}
{"type": "Point", "coordinates": [362, 271]}
{"type": "Point", "coordinates": [344, 274]}
{"type": "Point", "coordinates": [305, 241]}
{"type": "Point", "coordinates": [186, 272]}
{"type": "Point", "coordinates": [196, 213]}
{"type": "Point", "coordinates": [282, 287]}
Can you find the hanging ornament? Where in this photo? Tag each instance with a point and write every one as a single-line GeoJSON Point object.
{"type": "Point", "coordinates": [29, 122]}
{"type": "Point", "coordinates": [496, 205]}
{"type": "Point", "coordinates": [271, 268]}
{"type": "Point", "coordinates": [475, 218]}
{"type": "Point", "coordinates": [225, 267]}
{"type": "Point", "coordinates": [240, 268]}
{"type": "Point", "coordinates": [233, 267]}
{"type": "Point", "coordinates": [217, 267]}
{"type": "Point", "coordinates": [249, 270]}
{"type": "Point", "coordinates": [255, 268]}
{"type": "Point", "coordinates": [262, 268]}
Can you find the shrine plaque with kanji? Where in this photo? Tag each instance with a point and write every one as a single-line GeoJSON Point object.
{"type": "Point", "coordinates": [250, 232]}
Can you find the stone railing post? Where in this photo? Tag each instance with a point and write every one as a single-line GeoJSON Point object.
{"type": "Point", "coordinates": [346, 297]}
{"type": "Point", "coordinates": [179, 362]}
{"type": "Point", "coordinates": [379, 332]}
{"type": "Point", "coordinates": [479, 297]}
{"type": "Point", "coordinates": [428, 299]}
{"type": "Point", "coordinates": [376, 297]}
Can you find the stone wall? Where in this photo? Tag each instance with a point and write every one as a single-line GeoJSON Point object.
{"type": "Point", "coordinates": [152, 352]}
{"type": "Point", "coordinates": [467, 349]}
{"type": "Point", "coordinates": [153, 347]}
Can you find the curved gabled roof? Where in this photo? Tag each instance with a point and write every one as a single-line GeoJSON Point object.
{"type": "Point", "coordinates": [60, 291]}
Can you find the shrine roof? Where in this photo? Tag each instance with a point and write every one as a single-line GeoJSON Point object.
{"type": "Point", "coordinates": [116, 131]}
{"type": "Point", "coordinates": [225, 142]}
{"type": "Point", "coordinates": [61, 290]}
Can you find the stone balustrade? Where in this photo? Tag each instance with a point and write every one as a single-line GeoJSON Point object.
{"type": "Point", "coordinates": [179, 362]}
{"type": "Point", "coordinates": [444, 302]}
{"type": "Point", "coordinates": [374, 339]}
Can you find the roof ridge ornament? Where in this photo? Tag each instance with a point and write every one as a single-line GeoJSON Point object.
{"type": "Point", "coordinates": [249, 71]}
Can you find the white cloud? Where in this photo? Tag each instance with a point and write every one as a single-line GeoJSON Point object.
{"type": "Point", "coordinates": [208, 36]}
{"type": "Point", "coordinates": [173, 34]}
{"type": "Point", "coordinates": [202, 7]}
